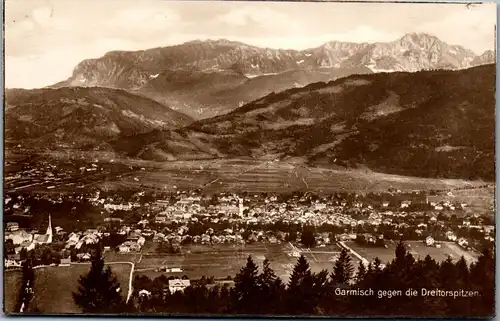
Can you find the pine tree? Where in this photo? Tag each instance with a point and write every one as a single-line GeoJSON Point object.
{"type": "Point", "coordinates": [99, 290]}
{"type": "Point", "coordinates": [26, 290]}
{"type": "Point", "coordinates": [360, 275]}
{"type": "Point", "coordinates": [270, 286]}
{"type": "Point", "coordinates": [245, 296]}
{"type": "Point", "coordinates": [377, 265]}
{"type": "Point", "coordinates": [400, 252]}
{"type": "Point", "coordinates": [463, 273]}
{"type": "Point", "coordinates": [482, 275]}
{"type": "Point", "coordinates": [321, 293]}
{"type": "Point", "coordinates": [343, 269]}
{"type": "Point", "coordinates": [307, 237]}
{"type": "Point", "coordinates": [446, 275]}
{"type": "Point", "coordinates": [301, 273]}
{"type": "Point", "coordinates": [300, 288]}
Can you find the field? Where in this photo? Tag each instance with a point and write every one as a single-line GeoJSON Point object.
{"type": "Point", "coordinates": [214, 175]}
{"type": "Point", "coordinates": [55, 284]}
{"type": "Point", "coordinates": [269, 176]}
{"type": "Point", "coordinates": [226, 260]}
{"type": "Point", "coordinates": [417, 249]}
{"type": "Point", "coordinates": [479, 200]}
{"type": "Point", "coordinates": [12, 282]}
{"type": "Point", "coordinates": [54, 287]}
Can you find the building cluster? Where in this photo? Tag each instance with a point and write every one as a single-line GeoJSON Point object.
{"type": "Point", "coordinates": [189, 217]}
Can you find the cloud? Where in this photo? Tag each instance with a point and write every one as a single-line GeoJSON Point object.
{"type": "Point", "coordinates": [261, 17]}
{"type": "Point", "coordinates": [145, 19]}
{"type": "Point", "coordinates": [473, 26]}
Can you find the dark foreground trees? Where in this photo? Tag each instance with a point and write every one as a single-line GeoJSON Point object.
{"type": "Point", "coordinates": [99, 291]}
{"type": "Point", "coordinates": [258, 291]}
{"type": "Point", "coordinates": [26, 290]}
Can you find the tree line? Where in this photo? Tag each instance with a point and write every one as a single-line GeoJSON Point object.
{"type": "Point", "coordinates": [259, 291]}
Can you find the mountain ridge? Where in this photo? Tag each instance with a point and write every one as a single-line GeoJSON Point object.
{"type": "Point", "coordinates": [79, 116]}
{"type": "Point", "coordinates": [141, 71]}
{"type": "Point", "coordinates": [427, 124]}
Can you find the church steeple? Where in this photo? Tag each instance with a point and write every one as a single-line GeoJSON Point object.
{"type": "Point", "coordinates": [49, 231]}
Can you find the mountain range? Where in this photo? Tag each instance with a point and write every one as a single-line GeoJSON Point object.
{"type": "Point", "coordinates": [415, 106]}
{"type": "Point", "coordinates": [231, 73]}
{"type": "Point", "coordinates": [428, 123]}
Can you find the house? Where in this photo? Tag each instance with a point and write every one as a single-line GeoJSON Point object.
{"type": "Point", "coordinates": [129, 246]}
{"type": "Point", "coordinates": [19, 237]}
{"type": "Point", "coordinates": [12, 226]}
{"type": "Point", "coordinates": [123, 248]}
{"type": "Point", "coordinates": [159, 237]}
{"type": "Point", "coordinates": [12, 263]}
{"type": "Point", "coordinates": [160, 219]}
{"type": "Point", "coordinates": [143, 293]}
{"type": "Point", "coordinates": [451, 236]}
{"type": "Point", "coordinates": [178, 285]}
{"type": "Point", "coordinates": [133, 236]}
{"type": "Point", "coordinates": [83, 256]}
{"type": "Point", "coordinates": [462, 242]}
{"type": "Point", "coordinates": [405, 204]}
{"type": "Point", "coordinates": [429, 241]}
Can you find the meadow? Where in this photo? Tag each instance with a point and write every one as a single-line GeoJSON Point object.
{"type": "Point", "coordinates": [12, 282]}
{"type": "Point", "coordinates": [221, 261]}
{"type": "Point", "coordinates": [417, 248]}
{"type": "Point", "coordinates": [54, 287]}
{"type": "Point", "coordinates": [260, 175]}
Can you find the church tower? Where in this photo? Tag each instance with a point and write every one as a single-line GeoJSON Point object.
{"type": "Point", "coordinates": [49, 231]}
{"type": "Point", "coordinates": [240, 206]}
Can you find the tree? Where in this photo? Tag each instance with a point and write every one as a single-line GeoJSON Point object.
{"type": "Point", "coordinates": [99, 290]}
{"type": "Point", "coordinates": [291, 236]}
{"type": "Point", "coordinates": [300, 289]}
{"type": "Point", "coordinates": [246, 289]}
{"type": "Point", "coordinates": [307, 237]}
{"type": "Point", "coordinates": [342, 270]}
{"type": "Point", "coordinates": [360, 275]}
{"type": "Point", "coordinates": [26, 290]}
{"type": "Point", "coordinates": [483, 280]}
{"type": "Point", "coordinates": [23, 254]}
{"type": "Point", "coordinates": [9, 247]}
{"type": "Point", "coordinates": [463, 273]}
{"type": "Point", "coordinates": [270, 289]}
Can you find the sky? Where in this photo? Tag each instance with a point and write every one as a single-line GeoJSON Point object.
{"type": "Point", "coordinates": [46, 39]}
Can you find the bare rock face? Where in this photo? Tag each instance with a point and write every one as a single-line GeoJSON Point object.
{"type": "Point", "coordinates": [488, 57]}
{"type": "Point", "coordinates": [134, 69]}
{"type": "Point", "coordinates": [203, 79]}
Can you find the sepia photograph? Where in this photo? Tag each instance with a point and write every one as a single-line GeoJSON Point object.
{"type": "Point", "coordinates": [249, 158]}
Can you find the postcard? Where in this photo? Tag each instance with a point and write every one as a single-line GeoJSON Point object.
{"type": "Point", "coordinates": [220, 158]}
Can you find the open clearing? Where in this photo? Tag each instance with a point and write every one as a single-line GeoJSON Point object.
{"type": "Point", "coordinates": [417, 248]}
{"type": "Point", "coordinates": [221, 261]}
{"type": "Point", "coordinates": [266, 174]}
{"type": "Point", "coordinates": [12, 283]}
{"type": "Point", "coordinates": [54, 286]}
{"type": "Point", "coordinates": [269, 176]}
